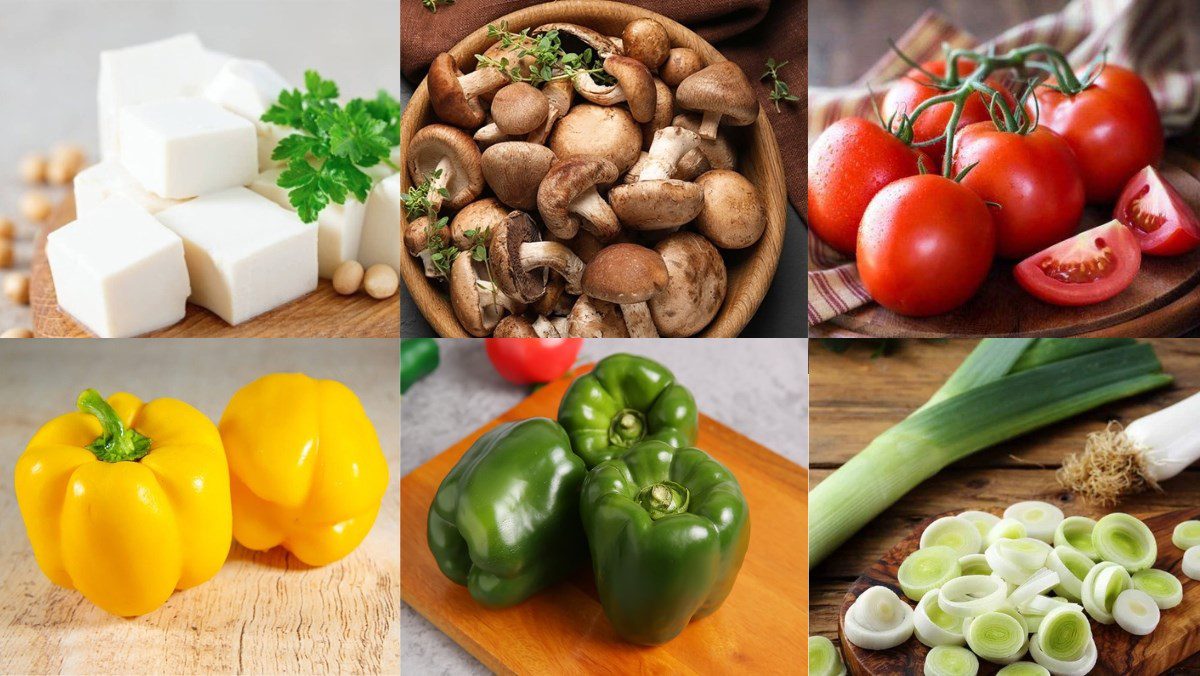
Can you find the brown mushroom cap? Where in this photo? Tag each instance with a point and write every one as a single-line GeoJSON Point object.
{"type": "Point", "coordinates": [636, 85]}
{"type": "Point", "coordinates": [516, 229]}
{"type": "Point", "coordinates": [440, 146]}
{"type": "Point", "coordinates": [646, 40]}
{"type": "Point", "coordinates": [595, 318]}
{"type": "Point", "coordinates": [664, 110]}
{"type": "Point", "coordinates": [568, 195]}
{"type": "Point", "coordinates": [656, 205]}
{"type": "Point", "coordinates": [625, 273]}
{"type": "Point", "coordinates": [681, 64]}
{"type": "Point", "coordinates": [446, 94]}
{"type": "Point", "coordinates": [733, 216]}
{"type": "Point", "coordinates": [514, 326]}
{"type": "Point", "coordinates": [519, 108]}
{"type": "Point", "coordinates": [416, 235]}
{"type": "Point", "coordinates": [695, 287]}
{"type": "Point", "coordinates": [477, 307]}
{"type": "Point", "coordinates": [600, 44]}
{"type": "Point", "coordinates": [719, 152]}
{"type": "Point", "coordinates": [604, 131]}
{"type": "Point", "coordinates": [722, 92]}
{"type": "Point", "coordinates": [480, 215]}
{"type": "Point", "coordinates": [514, 170]}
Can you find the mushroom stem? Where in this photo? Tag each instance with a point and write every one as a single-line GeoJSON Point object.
{"type": "Point", "coordinates": [545, 328]}
{"type": "Point", "coordinates": [708, 126]}
{"type": "Point", "coordinates": [558, 258]}
{"type": "Point", "coordinates": [670, 145]}
{"type": "Point", "coordinates": [426, 257]}
{"type": "Point", "coordinates": [598, 217]}
{"type": "Point", "coordinates": [540, 134]}
{"type": "Point", "coordinates": [489, 135]}
{"type": "Point", "coordinates": [482, 81]}
{"type": "Point", "coordinates": [638, 320]}
{"type": "Point", "coordinates": [495, 301]}
{"type": "Point", "coordinates": [436, 185]}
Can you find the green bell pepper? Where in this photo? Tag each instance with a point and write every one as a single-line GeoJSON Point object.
{"type": "Point", "coordinates": [668, 529]}
{"type": "Point", "coordinates": [505, 520]}
{"type": "Point", "coordinates": [625, 400]}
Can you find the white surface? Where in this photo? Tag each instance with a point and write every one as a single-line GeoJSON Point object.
{"type": "Point", "coordinates": [381, 226]}
{"type": "Point", "coordinates": [758, 387]}
{"type": "Point", "coordinates": [247, 87]}
{"type": "Point", "coordinates": [101, 181]}
{"type": "Point", "coordinates": [187, 147]}
{"type": "Point", "coordinates": [245, 254]}
{"type": "Point", "coordinates": [119, 271]}
{"type": "Point", "coordinates": [339, 226]}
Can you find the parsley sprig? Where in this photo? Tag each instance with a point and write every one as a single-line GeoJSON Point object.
{"type": "Point", "coordinates": [550, 60]}
{"type": "Point", "coordinates": [779, 88]}
{"type": "Point", "coordinates": [332, 144]}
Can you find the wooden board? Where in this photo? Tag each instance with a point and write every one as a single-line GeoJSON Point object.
{"type": "Point", "coordinates": [1003, 308]}
{"type": "Point", "coordinates": [750, 271]}
{"type": "Point", "coordinates": [1176, 638]}
{"type": "Point", "coordinates": [844, 420]}
{"type": "Point", "coordinates": [759, 629]}
{"type": "Point", "coordinates": [321, 314]}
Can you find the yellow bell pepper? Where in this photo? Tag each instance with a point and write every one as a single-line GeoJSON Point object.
{"type": "Point", "coordinates": [126, 501]}
{"type": "Point", "coordinates": [305, 465]}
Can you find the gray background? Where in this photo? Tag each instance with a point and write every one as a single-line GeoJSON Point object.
{"type": "Point", "coordinates": [757, 387]}
{"type": "Point", "coordinates": [49, 61]}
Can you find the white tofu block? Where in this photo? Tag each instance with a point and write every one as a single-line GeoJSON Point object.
{"type": "Point", "coordinates": [339, 226]}
{"type": "Point", "coordinates": [381, 225]}
{"type": "Point", "coordinates": [99, 182]}
{"type": "Point", "coordinates": [118, 271]}
{"type": "Point", "coordinates": [245, 254]}
{"type": "Point", "coordinates": [187, 147]}
{"type": "Point", "coordinates": [165, 69]}
{"type": "Point", "coordinates": [249, 88]}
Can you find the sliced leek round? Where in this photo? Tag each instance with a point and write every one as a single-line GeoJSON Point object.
{"type": "Point", "coordinates": [1064, 633]}
{"type": "Point", "coordinates": [1186, 535]}
{"type": "Point", "coordinates": [1125, 540]}
{"type": "Point", "coordinates": [1004, 566]}
{"type": "Point", "coordinates": [1163, 587]}
{"type": "Point", "coordinates": [927, 569]}
{"type": "Point", "coordinates": [1040, 519]}
{"type": "Point", "coordinates": [1005, 529]}
{"type": "Point", "coordinates": [947, 660]}
{"type": "Point", "coordinates": [1191, 562]}
{"type": "Point", "coordinates": [934, 626]}
{"type": "Point", "coordinates": [1040, 582]}
{"type": "Point", "coordinates": [1136, 612]}
{"type": "Point", "coordinates": [1103, 584]}
{"type": "Point", "coordinates": [1028, 553]}
{"type": "Point", "coordinates": [1079, 667]}
{"type": "Point", "coordinates": [954, 532]}
{"type": "Point", "coordinates": [1076, 531]}
{"type": "Point", "coordinates": [998, 636]}
{"type": "Point", "coordinates": [974, 564]}
{"type": "Point", "coordinates": [972, 595]}
{"type": "Point", "coordinates": [823, 658]}
{"type": "Point", "coordinates": [1023, 669]}
{"type": "Point", "coordinates": [983, 521]}
{"type": "Point", "coordinates": [1072, 567]}
{"type": "Point", "coordinates": [878, 620]}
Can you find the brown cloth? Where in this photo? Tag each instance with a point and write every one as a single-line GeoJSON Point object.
{"type": "Point", "coordinates": [745, 31]}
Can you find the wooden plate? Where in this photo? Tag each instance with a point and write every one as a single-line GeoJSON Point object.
{"type": "Point", "coordinates": [321, 314]}
{"type": "Point", "coordinates": [758, 630]}
{"type": "Point", "coordinates": [1176, 638]}
{"type": "Point", "coordinates": [750, 271]}
{"type": "Point", "coordinates": [1003, 308]}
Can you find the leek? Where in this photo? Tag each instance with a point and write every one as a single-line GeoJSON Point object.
{"type": "Point", "coordinates": [954, 532]}
{"type": "Point", "coordinates": [1023, 669]}
{"type": "Point", "coordinates": [1191, 562]}
{"type": "Point", "coordinates": [1186, 535]}
{"type": "Point", "coordinates": [927, 569]}
{"type": "Point", "coordinates": [934, 626]}
{"type": "Point", "coordinates": [1005, 529]}
{"type": "Point", "coordinates": [982, 520]}
{"type": "Point", "coordinates": [1064, 644]}
{"type": "Point", "coordinates": [823, 658]}
{"type": "Point", "coordinates": [974, 564]}
{"type": "Point", "coordinates": [1040, 519]}
{"type": "Point", "coordinates": [948, 660]}
{"type": "Point", "coordinates": [998, 636]}
{"type": "Point", "coordinates": [878, 620]}
{"type": "Point", "coordinates": [1136, 612]}
{"type": "Point", "coordinates": [1072, 567]}
{"type": "Point", "coordinates": [992, 406]}
{"type": "Point", "coordinates": [1124, 539]}
{"type": "Point", "coordinates": [1163, 587]}
{"type": "Point", "coordinates": [972, 595]}
{"type": "Point", "coordinates": [1076, 532]}
{"type": "Point", "coordinates": [1103, 584]}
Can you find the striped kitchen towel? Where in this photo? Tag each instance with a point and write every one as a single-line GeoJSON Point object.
{"type": "Point", "coordinates": [1150, 36]}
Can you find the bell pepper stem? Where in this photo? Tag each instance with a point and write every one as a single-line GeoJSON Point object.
{"type": "Point", "coordinates": [627, 428]}
{"type": "Point", "coordinates": [116, 442]}
{"type": "Point", "coordinates": [664, 499]}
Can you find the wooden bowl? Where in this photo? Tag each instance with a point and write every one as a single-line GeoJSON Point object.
{"type": "Point", "coordinates": [750, 270]}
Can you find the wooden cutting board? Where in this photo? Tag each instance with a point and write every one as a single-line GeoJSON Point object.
{"type": "Point", "coordinates": [1003, 308]}
{"type": "Point", "coordinates": [759, 629]}
{"type": "Point", "coordinates": [1176, 638]}
{"type": "Point", "coordinates": [321, 314]}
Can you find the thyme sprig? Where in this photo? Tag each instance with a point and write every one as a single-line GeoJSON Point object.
{"type": "Point", "coordinates": [550, 60]}
{"type": "Point", "coordinates": [780, 93]}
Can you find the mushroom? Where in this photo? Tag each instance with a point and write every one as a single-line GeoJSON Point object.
{"type": "Point", "coordinates": [519, 108]}
{"type": "Point", "coordinates": [489, 135]}
{"type": "Point", "coordinates": [689, 167]}
{"type": "Point", "coordinates": [722, 92]}
{"type": "Point", "coordinates": [586, 245]}
{"type": "Point", "coordinates": [514, 169]}
{"type": "Point", "coordinates": [476, 301]}
{"type": "Point", "coordinates": [567, 198]}
{"type": "Point", "coordinates": [455, 96]}
{"type": "Point", "coordinates": [416, 240]}
{"type": "Point", "coordinates": [448, 150]}
{"type": "Point", "coordinates": [559, 94]}
{"type": "Point", "coordinates": [600, 45]}
{"type": "Point", "coordinates": [733, 216]}
{"type": "Point", "coordinates": [635, 86]}
{"type": "Point", "coordinates": [664, 110]}
{"type": "Point", "coordinates": [595, 318]}
{"type": "Point", "coordinates": [605, 131]}
{"type": "Point", "coordinates": [656, 201]}
{"type": "Point", "coordinates": [480, 216]}
{"type": "Point", "coordinates": [519, 259]}
{"type": "Point", "coordinates": [628, 275]}
{"type": "Point", "coordinates": [646, 40]}
{"type": "Point", "coordinates": [551, 301]}
{"type": "Point", "coordinates": [681, 64]}
{"type": "Point", "coordinates": [551, 327]}
{"type": "Point", "coordinates": [695, 285]}
{"type": "Point", "coordinates": [719, 152]}
{"type": "Point", "coordinates": [514, 326]}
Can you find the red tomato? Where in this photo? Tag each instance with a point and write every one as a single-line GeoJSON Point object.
{"type": "Point", "coordinates": [925, 245]}
{"type": "Point", "coordinates": [1162, 222]}
{"type": "Point", "coordinates": [1091, 267]}
{"type": "Point", "coordinates": [915, 88]}
{"type": "Point", "coordinates": [532, 360]}
{"type": "Point", "coordinates": [1113, 127]}
{"type": "Point", "coordinates": [1034, 179]}
{"type": "Point", "coordinates": [850, 161]}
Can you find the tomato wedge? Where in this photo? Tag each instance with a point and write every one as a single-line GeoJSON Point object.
{"type": "Point", "coordinates": [1089, 268]}
{"type": "Point", "coordinates": [1162, 222]}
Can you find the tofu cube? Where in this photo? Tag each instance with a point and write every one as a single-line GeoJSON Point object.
{"type": "Point", "coordinates": [245, 254]}
{"type": "Point", "coordinates": [339, 226]}
{"type": "Point", "coordinates": [99, 182]}
{"type": "Point", "coordinates": [118, 271]}
{"type": "Point", "coordinates": [249, 88]}
{"type": "Point", "coordinates": [187, 147]}
{"type": "Point", "coordinates": [381, 225]}
{"type": "Point", "coordinates": [164, 69]}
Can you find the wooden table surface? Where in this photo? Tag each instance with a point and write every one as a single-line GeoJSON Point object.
{"type": "Point", "coordinates": [264, 612]}
{"type": "Point", "coordinates": [854, 398]}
